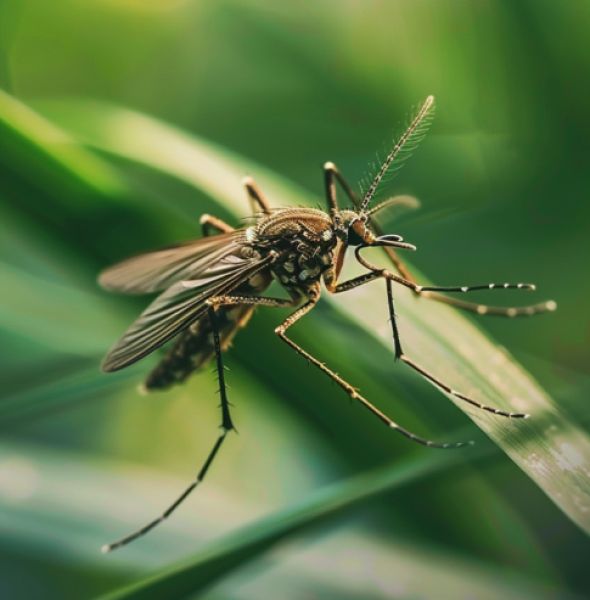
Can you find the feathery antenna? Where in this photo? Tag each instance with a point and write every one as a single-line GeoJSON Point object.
{"type": "Point", "coordinates": [403, 148]}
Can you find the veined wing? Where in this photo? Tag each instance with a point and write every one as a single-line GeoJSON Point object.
{"type": "Point", "coordinates": [158, 270]}
{"type": "Point", "coordinates": [177, 308]}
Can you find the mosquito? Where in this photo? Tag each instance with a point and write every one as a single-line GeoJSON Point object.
{"type": "Point", "coordinates": [210, 287]}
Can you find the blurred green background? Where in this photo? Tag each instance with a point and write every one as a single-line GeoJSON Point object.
{"type": "Point", "coordinates": [503, 181]}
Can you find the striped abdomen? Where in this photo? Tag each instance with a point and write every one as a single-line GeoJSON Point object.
{"type": "Point", "coordinates": [194, 346]}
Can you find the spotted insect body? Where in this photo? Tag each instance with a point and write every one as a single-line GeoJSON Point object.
{"type": "Point", "coordinates": [209, 289]}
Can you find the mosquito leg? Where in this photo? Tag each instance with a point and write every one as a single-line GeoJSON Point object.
{"type": "Point", "coordinates": [330, 185]}
{"type": "Point", "coordinates": [399, 354]}
{"type": "Point", "coordinates": [209, 222]}
{"type": "Point", "coordinates": [356, 282]}
{"type": "Point", "coordinates": [408, 281]}
{"type": "Point", "coordinates": [494, 311]}
{"type": "Point", "coordinates": [454, 288]}
{"type": "Point", "coordinates": [397, 344]}
{"type": "Point", "coordinates": [349, 389]}
{"type": "Point", "coordinates": [226, 426]}
{"type": "Point", "coordinates": [256, 196]}
{"type": "Point", "coordinates": [474, 307]}
{"type": "Point", "coordinates": [481, 309]}
{"type": "Point", "coordinates": [331, 175]}
{"type": "Point", "coordinates": [252, 301]}
{"type": "Point", "coordinates": [474, 288]}
{"type": "Point", "coordinates": [399, 264]}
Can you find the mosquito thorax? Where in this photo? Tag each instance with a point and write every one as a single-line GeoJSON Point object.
{"type": "Point", "coordinates": [303, 241]}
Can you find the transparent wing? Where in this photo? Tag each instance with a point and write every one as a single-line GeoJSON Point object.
{"type": "Point", "coordinates": [177, 308]}
{"type": "Point", "coordinates": [158, 270]}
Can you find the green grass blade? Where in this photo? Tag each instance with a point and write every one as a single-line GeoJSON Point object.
{"type": "Point", "coordinates": [245, 545]}
{"type": "Point", "coordinates": [209, 167]}
{"type": "Point", "coordinates": [552, 450]}
{"type": "Point", "coordinates": [67, 511]}
{"type": "Point", "coordinates": [36, 147]}
{"type": "Point", "coordinates": [40, 309]}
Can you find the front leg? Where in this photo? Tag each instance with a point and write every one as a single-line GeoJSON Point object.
{"type": "Point", "coordinates": [331, 175]}
{"type": "Point", "coordinates": [481, 309]}
{"type": "Point", "coordinates": [397, 346]}
{"type": "Point", "coordinates": [357, 281]}
{"type": "Point", "coordinates": [474, 307]}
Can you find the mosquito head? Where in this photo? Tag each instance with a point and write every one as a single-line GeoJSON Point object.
{"type": "Point", "coordinates": [351, 228]}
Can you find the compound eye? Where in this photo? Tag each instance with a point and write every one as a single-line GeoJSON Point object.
{"type": "Point", "coordinates": [356, 234]}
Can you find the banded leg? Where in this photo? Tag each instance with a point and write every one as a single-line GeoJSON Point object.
{"type": "Point", "coordinates": [226, 426]}
{"type": "Point", "coordinates": [431, 292]}
{"type": "Point", "coordinates": [256, 196]}
{"type": "Point", "coordinates": [474, 307]}
{"type": "Point", "coordinates": [253, 301]}
{"type": "Point", "coordinates": [209, 222]}
{"type": "Point", "coordinates": [399, 354]}
{"type": "Point", "coordinates": [331, 173]}
{"type": "Point", "coordinates": [349, 389]}
{"type": "Point", "coordinates": [357, 281]}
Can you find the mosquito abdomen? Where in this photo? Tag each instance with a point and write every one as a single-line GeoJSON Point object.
{"type": "Point", "coordinates": [194, 347]}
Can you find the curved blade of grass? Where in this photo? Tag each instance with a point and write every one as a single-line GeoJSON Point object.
{"type": "Point", "coordinates": [552, 450]}
{"type": "Point", "coordinates": [31, 141]}
{"type": "Point", "coordinates": [396, 569]}
{"type": "Point", "coordinates": [77, 385]}
{"type": "Point", "coordinates": [242, 546]}
{"type": "Point", "coordinates": [41, 309]}
{"type": "Point", "coordinates": [211, 168]}
{"type": "Point", "coordinates": [43, 505]}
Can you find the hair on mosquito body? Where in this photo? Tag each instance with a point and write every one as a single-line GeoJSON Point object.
{"type": "Point", "coordinates": [209, 288]}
